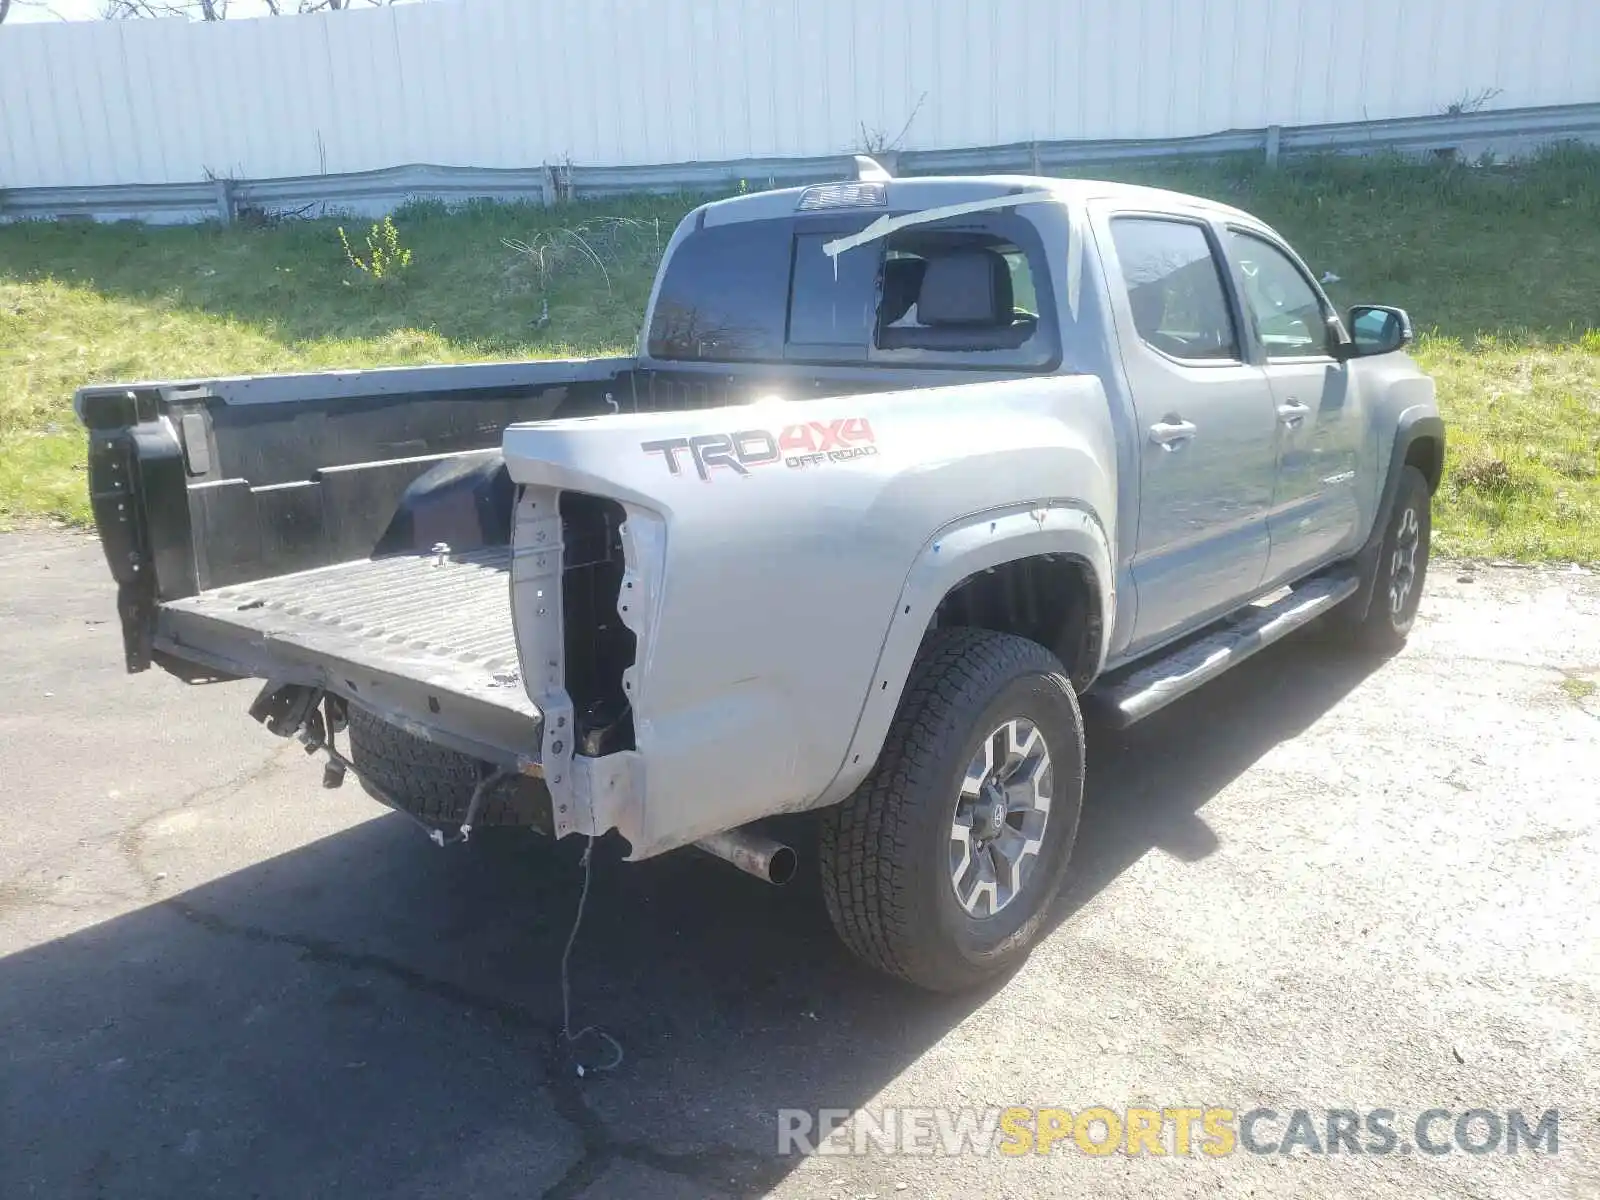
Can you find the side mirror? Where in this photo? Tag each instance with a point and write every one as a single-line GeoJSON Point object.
{"type": "Point", "coordinates": [1376, 329]}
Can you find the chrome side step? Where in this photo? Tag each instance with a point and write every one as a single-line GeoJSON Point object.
{"type": "Point", "coordinates": [1153, 685]}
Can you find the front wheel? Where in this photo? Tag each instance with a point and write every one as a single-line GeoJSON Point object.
{"type": "Point", "coordinates": [942, 865]}
{"type": "Point", "coordinates": [1401, 568]}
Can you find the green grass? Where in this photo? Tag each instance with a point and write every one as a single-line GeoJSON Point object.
{"type": "Point", "coordinates": [82, 303]}
{"type": "Point", "coordinates": [1499, 268]}
{"type": "Point", "coordinates": [1578, 690]}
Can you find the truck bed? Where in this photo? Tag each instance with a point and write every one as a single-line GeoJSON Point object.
{"type": "Point", "coordinates": [420, 638]}
{"type": "Point", "coordinates": [278, 528]}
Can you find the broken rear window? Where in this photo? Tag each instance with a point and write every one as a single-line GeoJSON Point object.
{"type": "Point", "coordinates": [968, 292]}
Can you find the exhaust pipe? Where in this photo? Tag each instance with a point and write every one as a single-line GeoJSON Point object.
{"type": "Point", "coordinates": [751, 852]}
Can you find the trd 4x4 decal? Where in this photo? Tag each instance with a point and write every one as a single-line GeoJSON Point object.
{"type": "Point", "coordinates": [810, 444]}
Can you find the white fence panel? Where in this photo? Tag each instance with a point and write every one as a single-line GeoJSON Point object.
{"type": "Point", "coordinates": [516, 83]}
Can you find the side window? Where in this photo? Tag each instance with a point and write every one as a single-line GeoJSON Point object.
{"type": "Point", "coordinates": [1023, 296]}
{"type": "Point", "coordinates": [1175, 288]}
{"type": "Point", "coordinates": [1287, 312]}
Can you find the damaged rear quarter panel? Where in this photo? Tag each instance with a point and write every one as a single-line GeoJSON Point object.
{"type": "Point", "coordinates": [772, 582]}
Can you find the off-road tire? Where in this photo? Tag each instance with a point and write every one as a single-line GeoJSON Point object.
{"type": "Point", "coordinates": [1384, 630]}
{"type": "Point", "coordinates": [883, 852]}
{"type": "Point", "coordinates": [430, 782]}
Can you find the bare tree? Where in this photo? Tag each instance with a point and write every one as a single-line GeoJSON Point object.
{"type": "Point", "coordinates": [217, 10]}
{"type": "Point", "coordinates": [7, 7]}
{"type": "Point", "coordinates": [310, 6]}
{"type": "Point", "coordinates": [204, 10]}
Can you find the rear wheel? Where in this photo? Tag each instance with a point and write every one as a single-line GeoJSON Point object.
{"type": "Point", "coordinates": [942, 865]}
{"type": "Point", "coordinates": [430, 782]}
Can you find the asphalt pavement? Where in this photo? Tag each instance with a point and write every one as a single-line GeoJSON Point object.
{"type": "Point", "coordinates": [1322, 882]}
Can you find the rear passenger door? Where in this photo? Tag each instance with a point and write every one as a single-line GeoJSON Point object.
{"type": "Point", "coordinates": [1205, 423]}
{"type": "Point", "coordinates": [1319, 418]}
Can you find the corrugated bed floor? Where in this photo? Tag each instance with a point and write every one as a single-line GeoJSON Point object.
{"type": "Point", "coordinates": [414, 610]}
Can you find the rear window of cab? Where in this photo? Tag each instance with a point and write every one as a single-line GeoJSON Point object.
{"type": "Point", "coordinates": [965, 292]}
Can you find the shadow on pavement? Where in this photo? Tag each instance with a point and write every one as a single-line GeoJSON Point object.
{"type": "Point", "coordinates": [370, 1016]}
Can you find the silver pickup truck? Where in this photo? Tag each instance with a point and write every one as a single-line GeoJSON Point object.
{"type": "Point", "coordinates": [904, 475]}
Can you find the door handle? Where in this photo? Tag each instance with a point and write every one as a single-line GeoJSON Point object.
{"type": "Point", "coordinates": [1291, 412]}
{"type": "Point", "coordinates": [1171, 434]}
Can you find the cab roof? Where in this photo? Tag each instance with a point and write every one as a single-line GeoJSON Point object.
{"type": "Point", "coordinates": [932, 191]}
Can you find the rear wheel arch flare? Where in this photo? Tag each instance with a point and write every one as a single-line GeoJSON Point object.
{"type": "Point", "coordinates": [1051, 599]}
